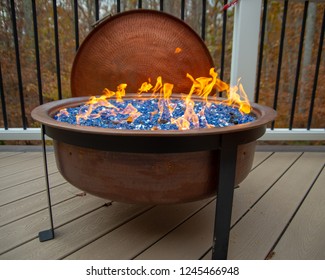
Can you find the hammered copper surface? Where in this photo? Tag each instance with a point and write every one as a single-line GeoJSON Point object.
{"type": "Point", "coordinates": [133, 46]}
{"type": "Point", "coordinates": [147, 178]}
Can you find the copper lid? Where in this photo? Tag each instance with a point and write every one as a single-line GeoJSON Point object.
{"type": "Point", "coordinates": [133, 46]}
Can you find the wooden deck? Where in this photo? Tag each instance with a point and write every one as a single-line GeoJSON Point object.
{"type": "Point", "coordinates": [278, 213]}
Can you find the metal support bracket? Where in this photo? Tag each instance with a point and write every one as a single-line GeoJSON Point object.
{"type": "Point", "coordinates": [225, 193]}
{"type": "Point", "coordinates": [46, 234]}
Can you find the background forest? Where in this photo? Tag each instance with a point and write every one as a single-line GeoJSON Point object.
{"type": "Point", "coordinates": [56, 83]}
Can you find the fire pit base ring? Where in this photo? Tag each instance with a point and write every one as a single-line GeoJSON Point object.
{"type": "Point", "coordinates": [147, 178]}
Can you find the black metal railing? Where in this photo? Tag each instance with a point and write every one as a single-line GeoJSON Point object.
{"type": "Point", "coordinates": [225, 19]}
{"type": "Point", "coordinates": [303, 17]}
{"type": "Point", "coordinates": [19, 76]}
{"type": "Point", "coordinates": [55, 22]}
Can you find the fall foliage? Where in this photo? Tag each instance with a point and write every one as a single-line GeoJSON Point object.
{"type": "Point", "coordinates": [54, 83]}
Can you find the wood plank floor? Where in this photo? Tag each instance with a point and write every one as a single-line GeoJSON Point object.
{"type": "Point", "coordinates": [278, 213]}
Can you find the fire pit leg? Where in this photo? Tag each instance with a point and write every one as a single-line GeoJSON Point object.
{"type": "Point", "coordinates": [227, 172]}
{"type": "Point", "coordinates": [49, 233]}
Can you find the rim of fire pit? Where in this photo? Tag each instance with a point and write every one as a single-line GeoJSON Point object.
{"type": "Point", "coordinates": [147, 140]}
{"type": "Point", "coordinates": [135, 45]}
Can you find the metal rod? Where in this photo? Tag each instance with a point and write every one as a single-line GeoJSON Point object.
{"type": "Point", "coordinates": [183, 9]}
{"type": "Point", "coordinates": [18, 65]}
{"type": "Point", "coordinates": [118, 6]}
{"type": "Point", "coordinates": [260, 58]}
{"type": "Point", "coordinates": [37, 55]}
{"type": "Point", "coordinates": [223, 42]}
{"type": "Point", "coordinates": [319, 56]}
{"type": "Point", "coordinates": [3, 102]}
{"type": "Point", "coordinates": [57, 49]}
{"type": "Point", "coordinates": [225, 193]}
{"type": "Point", "coordinates": [161, 5]}
{"type": "Point", "coordinates": [277, 83]}
{"type": "Point", "coordinates": [46, 234]}
{"type": "Point", "coordinates": [204, 9]}
{"type": "Point", "coordinates": [301, 45]}
{"type": "Point", "coordinates": [139, 4]}
{"type": "Point", "coordinates": [76, 23]}
{"type": "Point", "coordinates": [96, 10]}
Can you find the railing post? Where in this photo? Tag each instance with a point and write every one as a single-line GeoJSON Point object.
{"type": "Point", "coordinates": [245, 44]}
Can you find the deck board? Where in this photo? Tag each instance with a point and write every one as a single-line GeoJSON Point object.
{"type": "Point", "coordinates": [259, 181]}
{"type": "Point", "coordinates": [26, 175]}
{"type": "Point", "coordinates": [17, 158]}
{"type": "Point", "coordinates": [27, 228]}
{"type": "Point", "coordinates": [31, 204]}
{"type": "Point", "coordinates": [255, 234]}
{"type": "Point", "coordinates": [4, 155]}
{"type": "Point", "coordinates": [271, 206]}
{"type": "Point", "coordinates": [146, 230]}
{"type": "Point", "coordinates": [304, 237]}
{"type": "Point", "coordinates": [77, 233]}
{"type": "Point", "coordinates": [31, 187]}
{"type": "Point", "coordinates": [23, 162]}
{"type": "Point", "coordinates": [245, 196]}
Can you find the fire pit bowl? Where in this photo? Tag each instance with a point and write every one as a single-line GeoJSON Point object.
{"type": "Point", "coordinates": [153, 167]}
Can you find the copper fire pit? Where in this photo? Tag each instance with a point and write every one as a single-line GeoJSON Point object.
{"type": "Point", "coordinates": [158, 166]}
{"type": "Point", "coordinates": [148, 166]}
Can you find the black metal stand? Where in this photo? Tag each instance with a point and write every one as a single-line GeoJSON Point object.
{"type": "Point", "coordinates": [225, 193]}
{"type": "Point", "coordinates": [49, 233]}
{"type": "Point", "coordinates": [227, 152]}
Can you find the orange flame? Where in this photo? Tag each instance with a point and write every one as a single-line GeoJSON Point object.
{"type": "Point", "coordinates": [158, 85]}
{"type": "Point", "coordinates": [132, 112]}
{"type": "Point", "coordinates": [120, 92]}
{"type": "Point", "coordinates": [241, 99]}
{"type": "Point", "coordinates": [145, 87]}
{"type": "Point", "coordinates": [201, 86]}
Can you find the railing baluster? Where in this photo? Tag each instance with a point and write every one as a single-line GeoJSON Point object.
{"type": "Point", "coordinates": [96, 10]}
{"type": "Point", "coordinates": [18, 65]}
{"type": "Point", "coordinates": [57, 49]}
{"type": "Point", "coordinates": [260, 58]}
{"type": "Point", "coordinates": [301, 44]}
{"type": "Point", "coordinates": [118, 6]}
{"type": "Point", "coordinates": [37, 55]}
{"type": "Point", "coordinates": [277, 83]}
{"type": "Point", "coordinates": [161, 5]}
{"type": "Point", "coordinates": [319, 56]}
{"type": "Point", "coordinates": [183, 9]}
{"type": "Point", "coordinates": [139, 4]}
{"type": "Point", "coordinates": [3, 102]}
{"type": "Point", "coordinates": [204, 10]}
{"type": "Point", "coordinates": [76, 23]}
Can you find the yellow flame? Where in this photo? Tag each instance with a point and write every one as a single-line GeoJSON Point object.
{"type": "Point", "coordinates": [167, 90]}
{"type": "Point", "coordinates": [201, 86]}
{"type": "Point", "coordinates": [132, 112]}
{"type": "Point", "coordinates": [237, 96]}
{"type": "Point", "coordinates": [181, 123]}
{"type": "Point", "coordinates": [158, 85]}
{"type": "Point", "coordinates": [120, 92]}
{"type": "Point", "coordinates": [145, 87]}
